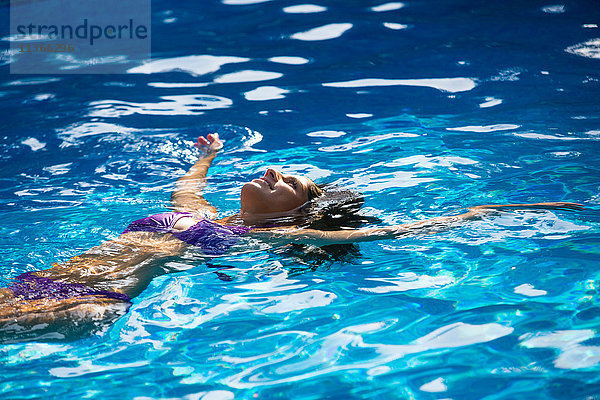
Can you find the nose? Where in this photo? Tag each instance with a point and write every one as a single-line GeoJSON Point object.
{"type": "Point", "coordinates": [272, 174]}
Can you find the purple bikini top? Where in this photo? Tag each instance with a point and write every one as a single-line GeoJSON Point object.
{"type": "Point", "coordinates": [212, 238]}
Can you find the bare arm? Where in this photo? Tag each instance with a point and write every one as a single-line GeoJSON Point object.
{"type": "Point", "coordinates": [187, 196]}
{"type": "Point", "coordinates": [429, 226]}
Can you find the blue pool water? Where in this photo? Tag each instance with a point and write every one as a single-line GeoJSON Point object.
{"type": "Point", "coordinates": [426, 107]}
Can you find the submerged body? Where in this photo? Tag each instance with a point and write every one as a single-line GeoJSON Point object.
{"type": "Point", "coordinates": [96, 287]}
{"type": "Point", "coordinates": [100, 283]}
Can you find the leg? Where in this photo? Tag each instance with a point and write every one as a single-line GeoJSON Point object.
{"type": "Point", "coordinates": [56, 319]}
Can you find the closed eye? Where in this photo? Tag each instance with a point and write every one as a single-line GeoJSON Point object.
{"type": "Point", "coordinates": [292, 182]}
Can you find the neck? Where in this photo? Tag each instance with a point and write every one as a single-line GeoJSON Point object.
{"type": "Point", "coordinates": [231, 220]}
{"type": "Point", "coordinates": [244, 218]}
{"type": "Point", "coordinates": [283, 218]}
{"type": "Point", "coordinates": [251, 218]}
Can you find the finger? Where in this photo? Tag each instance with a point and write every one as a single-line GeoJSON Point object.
{"type": "Point", "coordinates": [202, 140]}
{"type": "Point", "coordinates": [201, 145]}
{"type": "Point", "coordinates": [572, 206]}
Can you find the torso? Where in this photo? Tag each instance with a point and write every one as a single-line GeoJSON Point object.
{"type": "Point", "coordinates": [122, 264]}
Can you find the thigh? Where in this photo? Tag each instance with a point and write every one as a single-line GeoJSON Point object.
{"type": "Point", "coordinates": [57, 319]}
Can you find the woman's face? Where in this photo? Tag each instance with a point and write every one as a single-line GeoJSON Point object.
{"type": "Point", "coordinates": [274, 193]}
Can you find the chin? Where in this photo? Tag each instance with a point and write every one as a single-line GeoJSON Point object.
{"type": "Point", "coordinates": [251, 195]}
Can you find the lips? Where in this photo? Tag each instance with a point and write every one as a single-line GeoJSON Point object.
{"type": "Point", "coordinates": [268, 183]}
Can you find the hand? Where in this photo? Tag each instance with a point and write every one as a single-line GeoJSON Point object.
{"type": "Point", "coordinates": [560, 205]}
{"type": "Point", "coordinates": [209, 145]}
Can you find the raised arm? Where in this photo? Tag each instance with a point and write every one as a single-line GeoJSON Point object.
{"type": "Point", "coordinates": [429, 226]}
{"type": "Point", "coordinates": [187, 196]}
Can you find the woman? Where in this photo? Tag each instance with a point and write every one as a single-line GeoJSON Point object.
{"type": "Point", "coordinates": [96, 287]}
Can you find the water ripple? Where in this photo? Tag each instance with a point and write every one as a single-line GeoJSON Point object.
{"type": "Point", "coordinates": [589, 49]}
{"type": "Point", "coordinates": [387, 7]}
{"type": "Point", "coordinates": [325, 32]}
{"type": "Point", "coordinates": [266, 93]}
{"type": "Point", "coordinates": [488, 128]}
{"type": "Point", "coordinates": [304, 9]}
{"type": "Point", "coordinates": [362, 141]}
{"type": "Point", "coordinates": [242, 2]}
{"type": "Point", "coordinates": [408, 281]}
{"type": "Point", "coordinates": [395, 26]}
{"type": "Point", "coordinates": [190, 104]}
{"type": "Point", "coordinates": [34, 144]}
{"type": "Point", "coordinates": [451, 85]}
{"type": "Point", "coordinates": [334, 353]}
{"type": "Point", "coordinates": [248, 76]}
{"type": "Point", "coordinates": [573, 355]}
{"type": "Point", "coordinates": [194, 65]}
{"type": "Point", "coordinates": [289, 60]}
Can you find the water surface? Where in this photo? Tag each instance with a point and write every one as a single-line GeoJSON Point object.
{"type": "Point", "coordinates": [426, 107]}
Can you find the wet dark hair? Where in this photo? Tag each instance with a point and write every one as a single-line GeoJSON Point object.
{"type": "Point", "coordinates": [334, 208]}
{"type": "Point", "coordinates": [314, 190]}
{"type": "Point", "coordinates": [329, 208]}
